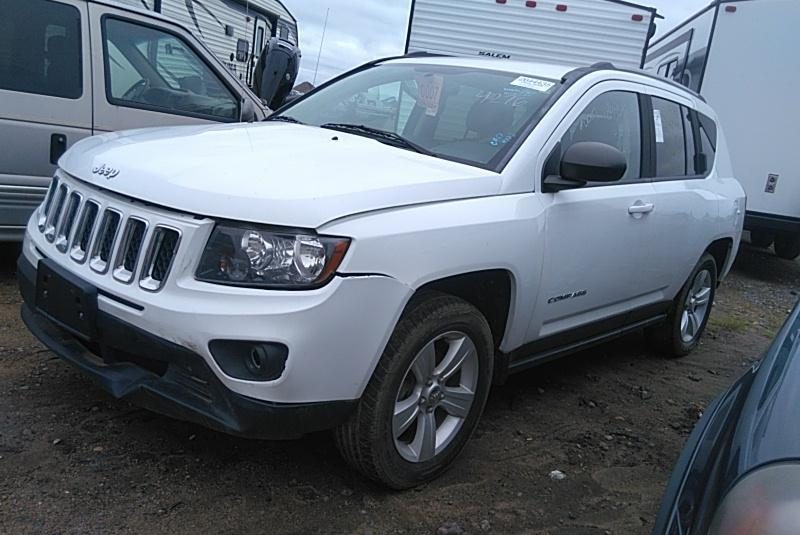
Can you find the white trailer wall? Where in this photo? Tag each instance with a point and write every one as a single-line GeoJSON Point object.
{"type": "Point", "coordinates": [567, 32]}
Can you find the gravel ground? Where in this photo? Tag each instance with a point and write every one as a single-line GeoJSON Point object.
{"type": "Point", "coordinates": [612, 419]}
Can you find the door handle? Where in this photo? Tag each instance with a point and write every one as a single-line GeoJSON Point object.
{"type": "Point", "coordinates": [641, 208]}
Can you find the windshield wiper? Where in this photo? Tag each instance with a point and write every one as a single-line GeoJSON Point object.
{"type": "Point", "coordinates": [284, 118]}
{"type": "Point", "coordinates": [384, 136]}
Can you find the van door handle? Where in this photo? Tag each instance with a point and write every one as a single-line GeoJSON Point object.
{"type": "Point", "coordinates": [58, 146]}
{"type": "Point", "coordinates": [641, 208]}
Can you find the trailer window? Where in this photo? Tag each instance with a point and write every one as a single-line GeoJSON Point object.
{"type": "Point", "coordinates": [152, 69]}
{"type": "Point", "coordinates": [40, 48]}
{"type": "Point", "coordinates": [467, 115]}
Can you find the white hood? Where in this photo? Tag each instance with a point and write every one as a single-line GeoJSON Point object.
{"type": "Point", "coordinates": [273, 173]}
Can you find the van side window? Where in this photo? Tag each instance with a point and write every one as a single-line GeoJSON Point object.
{"type": "Point", "coordinates": [613, 119]}
{"type": "Point", "coordinates": [151, 69]}
{"type": "Point", "coordinates": [670, 139]}
{"type": "Point", "coordinates": [40, 48]}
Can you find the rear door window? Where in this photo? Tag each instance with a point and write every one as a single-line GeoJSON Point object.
{"type": "Point", "coordinates": [40, 48]}
{"type": "Point", "coordinates": [670, 139]}
{"type": "Point", "coordinates": [151, 69]}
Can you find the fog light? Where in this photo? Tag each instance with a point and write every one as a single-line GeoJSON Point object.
{"type": "Point", "coordinates": [250, 361]}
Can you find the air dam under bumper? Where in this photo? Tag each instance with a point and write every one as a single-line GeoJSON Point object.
{"type": "Point", "coordinates": [171, 380]}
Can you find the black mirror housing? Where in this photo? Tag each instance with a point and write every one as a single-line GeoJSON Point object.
{"type": "Point", "coordinates": [590, 161]}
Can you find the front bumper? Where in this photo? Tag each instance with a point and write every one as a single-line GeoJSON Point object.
{"type": "Point", "coordinates": [172, 380]}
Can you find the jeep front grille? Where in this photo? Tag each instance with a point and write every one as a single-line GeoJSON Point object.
{"type": "Point", "coordinates": [81, 223]}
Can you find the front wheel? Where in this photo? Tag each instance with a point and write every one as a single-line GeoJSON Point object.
{"type": "Point", "coordinates": [687, 319]}
{"type": "Point", "coordinates": [425, 397]}
{"type": "Point", "coordinates": [787, 246]}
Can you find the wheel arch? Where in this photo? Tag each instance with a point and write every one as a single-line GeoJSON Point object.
{"type": "Point", "coordinates": [721, 250]}
{"type": "Point", "coordinates": [491, 291]}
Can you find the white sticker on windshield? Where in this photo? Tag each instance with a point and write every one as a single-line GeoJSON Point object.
{"type": "Point", "coordinates": [430, 92]}
{"type": "Point", "coordinates": [533, 83]}
{"type": "Point", "coordinates": [659, 126]}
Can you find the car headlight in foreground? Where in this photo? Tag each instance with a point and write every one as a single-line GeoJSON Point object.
{"type": "Point", "coordinates": [765, 502]}
{"type": "Point", "coordinates": [260, 257]}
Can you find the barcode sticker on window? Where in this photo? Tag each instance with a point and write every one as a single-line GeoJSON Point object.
{"type": "Point", "coordinates": [659, 126]}
{"type": "Point", "coordinates": [533, 83]}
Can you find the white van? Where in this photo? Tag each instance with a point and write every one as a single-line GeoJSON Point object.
{"type": "Point", "coordinates": [73, 68]}
{"type": "Point", "coordinates": [742, 57]}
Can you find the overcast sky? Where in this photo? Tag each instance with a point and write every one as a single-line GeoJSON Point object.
{"type": "Point", "coordinates": [367, 29]}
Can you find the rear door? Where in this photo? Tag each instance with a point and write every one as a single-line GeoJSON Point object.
{"type": "Point", "coordinates": [597, 236]}
{"type": "Point", "coordinates": [685, 218]}
{"type": "Point", "coordinates": [151, 73]}
{"type": "Point", "coordinates": [45, 98]}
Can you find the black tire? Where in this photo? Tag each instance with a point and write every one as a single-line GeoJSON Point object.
{"type": "Point", "coordinates": [366, 440]}
{"type": "Point", "coordinates": [787, 246]}
{"type": "Point", "coordinates": [761, 239]}
{"type": "Point", "coordinates": [667, 338]}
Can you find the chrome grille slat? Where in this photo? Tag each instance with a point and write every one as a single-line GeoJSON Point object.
{"type": "Point", "coordinates": [67, 222]}
{"type": "Point", "coordinates": [47, 204]}
{"type": "Point", "coordinates": [160, 256]}
{"type": "Point", "coordinates": [105, 238]}
{"type": "Point", "coordinates": [83, 234]}
{"type": "Point", "coordinates": [130, 248]}
{"type": "Point", "coordinates": [54, 214]}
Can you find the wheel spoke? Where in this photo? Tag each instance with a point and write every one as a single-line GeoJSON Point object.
{"type": "Point", "coordinates": [692, 327]}
{"type": "Point", "coordinates": [685, 323]}
{"type": "Point", "coordinates": [424, 363]}
{"type": "Point", "coordinates": [698, 321]}
{"type": "Point", "coordinates": [457, 401]}
{"type": "Point", "coordinates": [425, 442]}
{"type": "Point", "coordinates": [405, 412]}
{"type": "Point", "coordinates": [457, 353]}
{"type": "Point", "coordinates": [701, 298]}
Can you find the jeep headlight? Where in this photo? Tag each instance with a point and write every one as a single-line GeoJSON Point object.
{"type": "Point", "coordinates": [253, 256]}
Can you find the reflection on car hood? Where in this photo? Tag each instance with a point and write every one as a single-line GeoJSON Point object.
{"type": "Point", "coordinates": [274, 173]}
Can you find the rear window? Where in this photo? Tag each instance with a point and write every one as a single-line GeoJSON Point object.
{"type": "Point", "coordinates": [463, 114]}
{"type": "Point", "coordinates": [40, 48]}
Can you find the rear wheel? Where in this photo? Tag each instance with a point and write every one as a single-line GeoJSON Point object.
{"type": "Point", "coordinates": [760, 239]}
{"type": "Point", "coordinates": [425, 397]}
{"type": "Point", "coordinates": [787, 246]}
{"type": "Point", "coordinates": [687, 319]}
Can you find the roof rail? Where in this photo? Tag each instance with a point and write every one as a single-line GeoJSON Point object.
{"type": "Point", "coordinates": [580, 72]}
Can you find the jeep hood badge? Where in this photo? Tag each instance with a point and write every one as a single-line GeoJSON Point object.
{"type": "Point", "coordinates": [104, 170]}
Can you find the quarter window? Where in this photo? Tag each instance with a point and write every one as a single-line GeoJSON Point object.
{"type": "Point", "coordinates": [151, 69]}
{"type": "Point", "coordinates": [708, 141]}
{"type": "Point", "coordinates": [670, 139]}
{"type": "Point", "coordinates": [612, 118]}
{"type": "Point", "coordinates": [40, 48]}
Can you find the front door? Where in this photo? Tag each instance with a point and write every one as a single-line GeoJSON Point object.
{"type": "Point", "coordinates": [596, 236]}
{"type": "Point", "coordinates": [45, 99]}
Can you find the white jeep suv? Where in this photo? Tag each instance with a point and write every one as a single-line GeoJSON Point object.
{"type": "Point", "coordinates": [377, 253]}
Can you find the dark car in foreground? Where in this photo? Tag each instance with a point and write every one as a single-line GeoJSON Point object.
{"type": "Point", "coordinates": [739, 473]}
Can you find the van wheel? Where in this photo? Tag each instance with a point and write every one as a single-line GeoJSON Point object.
{"type": "Point", "coordinates": [425, 397]}
{"type": "Point", "coordinates": [760, 239]}
{"type": "Point", "coordinates": [687, 319]}
{"type": "Point", "coordinates": [787, 246]}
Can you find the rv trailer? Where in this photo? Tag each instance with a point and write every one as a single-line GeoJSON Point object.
{"type": "Point", "coordinates": [237, 31]}
{"type": "Point", "coordinates": [565, 32]}
{"type": "Point", "coordinates": [741, 55]}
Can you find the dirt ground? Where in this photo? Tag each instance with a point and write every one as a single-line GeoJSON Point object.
{"type": "Point", "coordinates": [613, 419]}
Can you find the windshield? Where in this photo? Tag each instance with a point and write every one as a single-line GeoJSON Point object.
{"type": "Point", "coordinates": [463, 114]}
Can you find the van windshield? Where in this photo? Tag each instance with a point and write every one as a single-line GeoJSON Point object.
{"type": "Point", "coordinates": [462, 114]}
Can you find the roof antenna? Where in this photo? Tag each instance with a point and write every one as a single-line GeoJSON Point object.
{"type": "Point", "coordinates": [321, 42]}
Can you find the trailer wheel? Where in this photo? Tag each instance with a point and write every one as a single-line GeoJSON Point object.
{"type": "Point", "coordinates": [788, 246]}
{"type": "Point", "coordinates": [761, 239]}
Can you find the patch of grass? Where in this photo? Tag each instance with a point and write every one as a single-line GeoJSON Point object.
{"type": "Point", "coordinates": [728, 322]}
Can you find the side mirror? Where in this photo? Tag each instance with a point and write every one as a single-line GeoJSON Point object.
{"type": "Point", "coordinates": [249, 113]}
{"type": "Point", "coordinates": [587, 161]}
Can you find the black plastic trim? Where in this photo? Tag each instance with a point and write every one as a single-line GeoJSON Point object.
{"type": "Point", "coordinates": [169, 379]}
{"type": "Point", "coordinates": [779, 223]}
